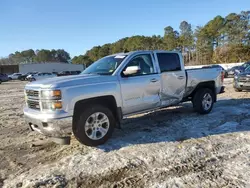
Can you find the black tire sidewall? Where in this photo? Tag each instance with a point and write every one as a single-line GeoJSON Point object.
{"type": "Point", "coordinates": [198, 98]}
{"type": "Point", "coordinates": [79, 128]}
{"type": "Point", "coordinates": [237, 90]}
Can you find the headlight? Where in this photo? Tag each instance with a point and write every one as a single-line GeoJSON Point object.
{"type": "Point", "coordinates": [51, 94]}
{"type": "Point", "coordinates": [52, 105]}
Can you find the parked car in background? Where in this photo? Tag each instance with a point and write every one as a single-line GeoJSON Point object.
{"type": "Point", "coordinates": [14, 76]}
{"type": "Point", "coordinates": [218, 66]}
{"type": "Point", "coordinates": [30, 75]}
{"type": "Point", "coordinates": [64, 73]}
{"type": "Point", "coordinates": [242, 80]}
{"type": "Point", "coordinates": [68, 73]}
{"type": "Point", "coordinates": [41, 76]}
{"type": "Point", "coordinates": [231, 71]}
{"type": "Point", "coordinates": [3, 77]}
{"type": "Point", "coordinates": [24, 76]}
{"type": "Point", "coordinates": [93, 103]}
{"type": "Point", "coordinates": [75, 72]}
{"type": "Point", "coordinates": [242, 68]}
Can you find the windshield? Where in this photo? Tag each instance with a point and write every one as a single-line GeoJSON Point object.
{"type": "Point", "coordinates": [105, 66]}
{"type": "Point", "coordinates": [245, 65]}
{"type": "Point", "coordinates": [247, 69]}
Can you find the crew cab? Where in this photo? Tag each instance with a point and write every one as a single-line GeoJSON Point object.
{"type": "Point", "coordinates": [92, 104]}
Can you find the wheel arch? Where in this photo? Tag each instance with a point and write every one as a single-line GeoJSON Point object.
{"type": "Point", "coordinates": [209, 85]}
{"type": "Point", "coordinates": [107, 101]}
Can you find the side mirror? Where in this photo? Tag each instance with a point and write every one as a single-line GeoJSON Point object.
{"type": "Point", "coordinates": [131, 70]}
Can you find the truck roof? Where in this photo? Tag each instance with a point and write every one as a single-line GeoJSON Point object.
{"type": "Point", "coordinates": [137, 51]}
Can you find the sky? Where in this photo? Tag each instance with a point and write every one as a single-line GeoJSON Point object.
{"type": "Point", "coordinates": [78, 25]}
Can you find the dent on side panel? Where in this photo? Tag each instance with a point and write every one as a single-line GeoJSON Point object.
{"type": "Point", "coordinates": [170, 94]}
{"type": "Point", "coordinates": [201, 75]}
{"type": "Point", "coordinates": [191, 87]}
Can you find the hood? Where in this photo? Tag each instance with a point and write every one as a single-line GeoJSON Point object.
{"type": "Point", "coordinates": [66, 81]}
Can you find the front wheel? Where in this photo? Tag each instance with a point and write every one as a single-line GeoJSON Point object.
{"type": "Point", "coordinates": [94, 126]}
{"type": "Point", "coordinates": [203, 101]}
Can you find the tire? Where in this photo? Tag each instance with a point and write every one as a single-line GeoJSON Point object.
{"type": "Point", "coordinates": [237, 90]}
{"type": "Point", "coordinates": [199, 98]}
{"type": "Point", "coordinates": [85, 126]}
{"type": "Point", "coordinates": [226, 75]}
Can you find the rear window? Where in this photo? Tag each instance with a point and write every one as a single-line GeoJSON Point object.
{"type": "Point", "coordinates": [169, 62]}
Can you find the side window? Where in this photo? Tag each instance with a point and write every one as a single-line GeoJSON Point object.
{"type": "Point", "coordinates": [169, 62]}
{"type": "Point", "coordinates": [144, 62]}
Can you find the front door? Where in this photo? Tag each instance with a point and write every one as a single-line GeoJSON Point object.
{"type": "Point", "coordinates": [141, 90]}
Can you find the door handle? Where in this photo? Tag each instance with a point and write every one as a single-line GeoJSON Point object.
{"type": "Point", "coordinates": [153, 80]}
{"type": "Point", "coordinates": [180, 77]}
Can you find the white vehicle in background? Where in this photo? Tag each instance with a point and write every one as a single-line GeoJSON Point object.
{"type": "Point", "coordinates": [14, 76]}
{"type": "Point", "coordinates": [40, 76]}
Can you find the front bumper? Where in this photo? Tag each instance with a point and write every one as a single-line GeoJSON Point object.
{"type": "Point", "coordinates": [60, 126]}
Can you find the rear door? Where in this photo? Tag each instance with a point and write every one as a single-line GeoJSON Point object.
{"type": "Point", "coordinates": [173, 77]}
{"type": "Point", "coordinates": [140, 91]}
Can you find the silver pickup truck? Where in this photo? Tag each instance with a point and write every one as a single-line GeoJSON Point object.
{"type": "Point", "coordinates": [92, 104]}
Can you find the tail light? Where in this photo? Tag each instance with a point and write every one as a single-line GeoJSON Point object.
{"type": "Point", "coordinates": [222, 76]}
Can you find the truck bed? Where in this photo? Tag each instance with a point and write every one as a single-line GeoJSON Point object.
{"type": "Point", "coordinates": [195, 76]}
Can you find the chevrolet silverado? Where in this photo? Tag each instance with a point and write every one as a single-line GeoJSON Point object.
{"type": "Point", "coordinates": [92, 104]}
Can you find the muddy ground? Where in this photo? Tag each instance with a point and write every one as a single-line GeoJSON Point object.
{"type": "Point", "coordinates": [174, 147]}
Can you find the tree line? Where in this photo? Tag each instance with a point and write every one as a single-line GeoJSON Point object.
{"type": "Point", "coordinates": [38, 56]}
{"type": "Point", "coordinates": [221, 40]}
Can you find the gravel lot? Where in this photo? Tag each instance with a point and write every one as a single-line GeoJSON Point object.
{"type": "Point", "coordinates": [174, 147]}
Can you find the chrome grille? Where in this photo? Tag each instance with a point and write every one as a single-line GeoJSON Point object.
{"type": "Point", "coordinates": [244, 79]}
{"type": "Point", "coordinates": [33, 104]}
{"type": "Point", "coordinates": [32, 93]}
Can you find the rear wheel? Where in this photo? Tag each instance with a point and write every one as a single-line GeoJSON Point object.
{"type": "Point", "coordinates": [94, 126]}
{"type": "Point", "coordinates": [203, 101]}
